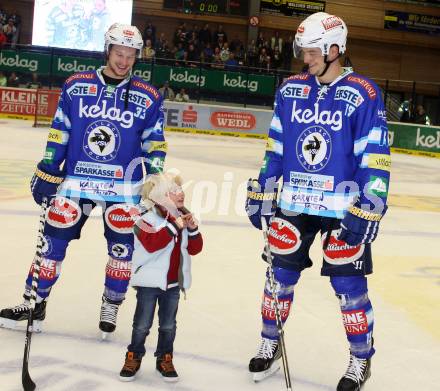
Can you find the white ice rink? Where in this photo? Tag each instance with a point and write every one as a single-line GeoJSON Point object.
{"type": "Point", "coordinates": [219, 323]}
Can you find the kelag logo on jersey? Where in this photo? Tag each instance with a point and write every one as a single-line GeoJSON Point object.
{"type": "Point", "coordinates": [101, 141]}
{"type": "Point", "coordinates": [324, 117]}
{"type": "Point", "coordinates": [124, 118]}
{"type": "Point", "coordinates": [314, 148]}
{"type": "Point", "coordinates": [299, 91]}
{"type": "Point", "coordinates": [83, 89]}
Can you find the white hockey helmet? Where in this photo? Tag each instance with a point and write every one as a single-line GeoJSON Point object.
{"type": "Point", "coordinates": [320, 30]}
{"type": "Point", "coordinates": [124, 35]}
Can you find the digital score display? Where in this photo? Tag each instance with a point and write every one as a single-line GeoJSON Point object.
{"type": "Point", "coordinates": [209, 7]}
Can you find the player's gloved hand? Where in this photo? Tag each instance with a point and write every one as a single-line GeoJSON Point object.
{"type": "Point", "coordinates": [260, 202]}
{"type": "Point", "coordinates": [360, 226]}
{"type": "Point", "coordinates": [45, 182]}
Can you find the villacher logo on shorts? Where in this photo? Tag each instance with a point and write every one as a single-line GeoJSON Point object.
{"type": "Point", "coordinates": [63, 213]}
{"type": "Point", "coordinates": [284, 237]}
{"type": "Point", "coordinates": [120, 218]}
{"type": "Point", "coordinates": [101, 141]}
{"type": "Point", "coordinates": [338, 252]}
{"type": "Point", "coordinates": [314, 148]}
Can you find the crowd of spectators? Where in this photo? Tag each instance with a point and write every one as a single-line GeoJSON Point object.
{"type": "Point", "coordinates": [9, 28]}
{"type": "Point", "coordinates": [213, 48]}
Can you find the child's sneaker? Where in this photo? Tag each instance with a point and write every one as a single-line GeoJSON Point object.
{"type": "Point", "coordinates": [131, 366]}
{"type": "Point", "coordinates": [165, 367]}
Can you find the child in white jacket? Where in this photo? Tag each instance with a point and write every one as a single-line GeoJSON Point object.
{"type": "Point", "coordinates": [165, 237]}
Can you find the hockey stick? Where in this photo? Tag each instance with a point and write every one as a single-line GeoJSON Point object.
{"type": "Point", "coordinates": [277, 308]}
{"type": "Point", "coordinates": [28, 384]}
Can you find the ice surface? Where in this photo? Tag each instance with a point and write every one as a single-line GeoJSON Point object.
{"type": "Point", "coordinates": [219, 322]}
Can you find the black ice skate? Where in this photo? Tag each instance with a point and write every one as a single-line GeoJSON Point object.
{"type": "Point", "coordinates": [108, 315]}
{"type": "Point", "coordinates": [15, 318]}
{"type": "Point", "coordinates": [265, 362]}
{"type": "Point", "coordinates": [358, 371]}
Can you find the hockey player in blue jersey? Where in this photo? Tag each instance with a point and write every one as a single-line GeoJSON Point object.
{"type": "Point", "coordinates": [328, 140]}
{"type": "Point", "coordinates": [107, 130]}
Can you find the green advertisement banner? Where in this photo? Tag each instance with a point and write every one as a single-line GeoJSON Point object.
{"type": "Point", "coordinates": [416, 138]}
{"type": "Point", "coordinates": [179, 77]}
{"type": "Point", "coordinates": [66, 65]}
{"type": "Point", "coordinates": [214, 80]}
{"type": "Point", "coordinates": [25, 62]}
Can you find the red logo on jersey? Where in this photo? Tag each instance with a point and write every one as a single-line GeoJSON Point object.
{"type": "Point", "coordinates": [300, 76]}
{"type": "Point", "coordinates": [118, 270]}
{"type": "Point", "coordinates": [80, 76]}
{"type": "Point", "coordinates": [268, 308]}
{"type": "Point", "coordinates": [121, 217]}
{"type": "Point", "coordinates": [48, 269]}
{"type": "Point", "coordinates": [364, 83]}
{"type": "Point", "coordinates": [147, 88]}
{"type": "Point", "coordinates": [339, 252]}
{"type": "Point", "coordinates": [284, 237]}
{"type": "Point", "coordinates": [355, 322]}
{"type": "Point", "coordinates": [63, 213]}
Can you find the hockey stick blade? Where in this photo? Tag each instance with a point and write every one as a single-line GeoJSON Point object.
{"type": "Point", "coordinates": [26, 380]}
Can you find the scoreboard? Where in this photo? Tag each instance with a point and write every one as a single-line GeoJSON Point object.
{"type": "Point", "coordinates": [209, 7]}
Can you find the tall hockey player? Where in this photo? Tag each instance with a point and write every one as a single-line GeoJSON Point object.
{"type": "Point", "coordinates": [328, 139]}
{"type": "Point", "coordinates": [108, 129]}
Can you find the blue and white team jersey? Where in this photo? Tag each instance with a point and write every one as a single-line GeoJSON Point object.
{"type": "Point", "coordinates": [330, 144]}
{"type": "Point", "coordinates": [105, 139]}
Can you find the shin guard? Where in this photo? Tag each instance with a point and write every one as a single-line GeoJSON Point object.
{"type": "Point", "coordinates": [53, 252]}
{"type": "Point", "coordinates": [285, 281]}
{"type": "Point", "coordinates": [357, 313]}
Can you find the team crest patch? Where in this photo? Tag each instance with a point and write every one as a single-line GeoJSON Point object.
{"type": "Point", "coordinates": [314, 148]}
{"type": "Point", "coordinates": [101, 141]}
{"type": "Point", "coordinates": [46, 249]}
{"type": "Point", "coordinates": [284, 237]}
{"type": "Point", "coordinates": [120, 250]}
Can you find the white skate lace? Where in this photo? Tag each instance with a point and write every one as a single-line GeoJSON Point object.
{"type": "Point", "coordinates": [109, 312]}
{"type": "Point", "coordinates": [356, 368]}
{"type": "Point", "coordinates": [24, 307]}
{"type": "Point", "coordinates": [267, 348]}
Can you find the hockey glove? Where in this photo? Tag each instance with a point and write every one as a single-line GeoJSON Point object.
{"type": "Point", "coordinates": [360, 226]}
{"type": "Point", "coordinates": [260, 203]}
{"type": "Point", "coordinates": [45, 182]}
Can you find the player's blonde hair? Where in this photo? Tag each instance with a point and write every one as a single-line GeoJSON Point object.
{"type": "Point", "coordinates": [157, 186]}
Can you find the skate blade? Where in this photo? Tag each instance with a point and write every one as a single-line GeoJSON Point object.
{"type": "Point", "coordinates": [259, 376]}
{"type": "Point", "coordinates": [21, 325]}
{"type": "Point", "coordinates": [105, 336]}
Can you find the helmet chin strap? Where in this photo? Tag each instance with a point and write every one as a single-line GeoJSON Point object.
{"type": "Point", "coordinates": [327, 64]}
